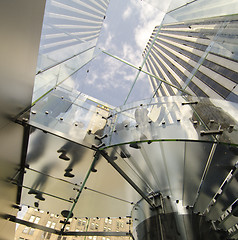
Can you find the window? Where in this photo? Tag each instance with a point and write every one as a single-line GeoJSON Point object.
{"type": "Point", "coordinates": [31, 232]}
{"type": "Point", "coordinates": [37, 220]}
{"type": "Point", "coordinates": [92, 227]}
{"type": "Point", "coordinates": [32, 218]}
{"type": "Point", "coordinates": [110, 221]}
{"type": "Point", "coordinates": [67, 229]}
{"type": "Point", "coordinates": [53, 225]}
{"type": "Point", "coordinates": [120, 224]}
{"type": "Point", "coordinates": [43, 235]}
{"type": "Point", "coordinates": [28, 230]}
{"type": "Point", "coordinates": [25, 230]}
{"type": "Point", "coordinates": [48, 236]}
{"type": "Point", "coordinates": [48, 224]}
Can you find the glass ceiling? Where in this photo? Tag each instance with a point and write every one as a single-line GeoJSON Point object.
{"type": "Point", "coordinates": [89, 33]}
{"type": "Point", "coordinates": [90, 56]}
{"type": "Point", "coordinates": [95, 47]}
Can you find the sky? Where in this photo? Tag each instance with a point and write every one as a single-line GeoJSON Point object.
{"type": "Point", "coordinates": [125, 33]}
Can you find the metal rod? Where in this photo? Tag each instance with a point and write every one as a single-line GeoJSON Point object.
{"type": "Point", "coordinates": [48, 194]}
{"type": "Point", "coordinates": [148, 73]}
{"type": "Point", "coordinates": [91, 233]}
{"type": "Point", "coordinates": [30, 224]}
{"type": "Point", "coordinates": [209, 160]}
{"type": "Point", "coordinates": [65, 60]}
{"type": "Point", "coordinates": [145, 58]}
{"type": "Point", "coordinates": [185, 5]}
{"type": "Point", "coordinates": [31, 169]}
{"type": "Point", "coordinates": [86, 188]}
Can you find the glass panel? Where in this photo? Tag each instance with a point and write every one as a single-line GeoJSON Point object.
{"type": "Point", "coordinates": [162, 5]}
{"type": "Point", "coordinates": [166, 119]}
{"type": "Point", "coordinates": [225, 115]}
{"type": "Point", "coordinates": [141, 90]}
{"type": "Point", "coordinates": [69, 115]}
{"type": "Point", "coordinates": [69, 35]}
{"type": "Point", "coordinates": [222, 162]}
{"type": "Point", "coordinates": [196, 156]}
{"type": "Point", "coordinates": [201, 9]}
{"type": "Point", "coordinates": [107, 79]}
{"type": "Point", "coordinates": [174, 166]}
{"type": "Point", "coordinates": [56, 165]}
{"type": "Point", "coordinates": [56, 156]}
{"type": "Point", "coordinates": [53, 76]}
{"type": "Point", "coordinates": [131, 160]}
{"type": "Point", "coordinates": [105, 189]}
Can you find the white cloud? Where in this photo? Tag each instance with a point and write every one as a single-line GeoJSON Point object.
{"type": "Point", "coordinates": [149, 18]}
{"type": "Point", "coordinates": [131, 54]}
{"type": "Point", "coordinates": [127, 13]}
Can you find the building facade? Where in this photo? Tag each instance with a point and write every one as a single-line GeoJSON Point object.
{"type": "Point", "coordinates": [198, 56]}
{"type": "Point", "coordinates": [53, 221]}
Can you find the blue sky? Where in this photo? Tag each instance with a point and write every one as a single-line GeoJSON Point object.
{"type": "Point", "coordinates": [125, 32]}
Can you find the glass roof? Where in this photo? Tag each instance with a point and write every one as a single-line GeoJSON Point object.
{"type": "Point", "coordinates": [95, 47]}
{"type": "Point", "coordinates": [102, 39]}
{"type": "Point", "coordinates": [90, 61]}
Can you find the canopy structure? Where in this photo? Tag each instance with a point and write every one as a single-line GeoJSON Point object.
{"type": "Point", "coordinates": [133, 113]}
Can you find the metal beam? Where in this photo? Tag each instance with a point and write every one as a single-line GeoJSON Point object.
{"type": "Point", "coordinates": [107, 195]}
{"type": "Point", "coordinates": [108, 234]}
{"type": "Point", "coordinates": [29, 224]}
{"type": "Point", "coordinates": [25, 141]}
{"type": "Point", "coordinates": [68, 233]}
